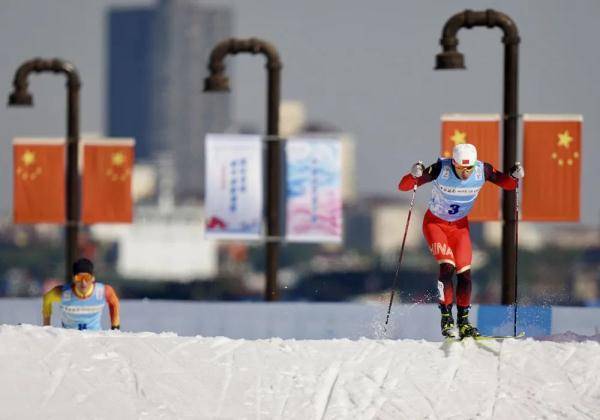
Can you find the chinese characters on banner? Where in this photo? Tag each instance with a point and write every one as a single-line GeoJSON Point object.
{"type": "Point", "coordinates": [314, 202]}
{"type": "Point", "coordinates": [106, 181]}
{"type": "Point", "coordinates": [39, 180]}
{"type": "Point", "coordinates": [233, 186]}
{"type": "Point", "coordinates": [482, 131]}
{"type": "Point", "coordinates": [552, 161]}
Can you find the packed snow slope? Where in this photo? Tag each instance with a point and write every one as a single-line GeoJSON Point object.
{"type": "Point", "coordinates": [50, 373]}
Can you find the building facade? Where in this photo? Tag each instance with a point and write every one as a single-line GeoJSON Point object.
{"type": "Point", "coordinates": [157, 64]}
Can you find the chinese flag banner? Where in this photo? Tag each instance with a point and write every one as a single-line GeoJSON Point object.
{"type": "Point", "coordinates": [106, 181]}
{"type": "Point", "coordinates": [552, 162]}
{"type": "Point", "coordinates": [39, 180]}
{"type": "Point", "coordinates": [482, 131]}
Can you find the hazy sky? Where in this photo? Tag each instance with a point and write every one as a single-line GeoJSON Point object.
{"type": "Point", "coordinates": [366, 67]}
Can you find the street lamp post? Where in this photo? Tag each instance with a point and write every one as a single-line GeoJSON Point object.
{"type": "Point", "coordinates": [21, 97]}
{"type": "Point", "coordinates": [450, 58]}
{"type": "Point", "coordinates": [219, 82]}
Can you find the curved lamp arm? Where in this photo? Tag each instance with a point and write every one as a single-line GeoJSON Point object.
{"type": "Point", "coordinates": [217, 81]}
{"type": "Point", "coordinates": [450, 58]}
{"type": "Point", "coordinates": [20, 94]}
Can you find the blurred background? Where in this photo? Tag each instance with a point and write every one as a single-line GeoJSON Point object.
{"type": "Point", "coordinates": [361, 70]}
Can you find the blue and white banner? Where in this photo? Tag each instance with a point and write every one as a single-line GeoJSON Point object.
{"type": "Point", "coordinates": [314, 190]}
{"type": "Point", "coordinates": [233, 186]}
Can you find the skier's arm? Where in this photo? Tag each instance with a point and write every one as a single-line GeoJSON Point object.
{"type": "Point", "coordinates": [50, 297]}
{"type": "Point", "coordinates": [408, 182]}
{"type": "Point", "coordinates": [501, 179]}
{"type": "Point", "coordinates": [113, 307]}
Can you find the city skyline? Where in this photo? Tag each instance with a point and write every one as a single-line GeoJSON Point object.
{"type": "Point", "coordinates": [367, 70]}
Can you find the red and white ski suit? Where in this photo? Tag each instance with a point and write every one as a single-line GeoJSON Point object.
{"type": "Point", "coordinates": [450, 241]}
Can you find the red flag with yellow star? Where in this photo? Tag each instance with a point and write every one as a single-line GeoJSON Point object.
{"type": "Point", "coordinates": [39, 180]}
{"type": "Point", "coordinates": [482, 131]}
{"type": "Point", "coordinates": [106, 181]}
{"type": "Point", "coordinates": [552, 162]}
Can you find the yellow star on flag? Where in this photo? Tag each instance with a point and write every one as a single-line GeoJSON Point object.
{"type": "Point", "coordinates": [564, 139]}
{"type": "Point", "coordinates": [459, 137]}
{"type": "Point", "coordinates": [28, 158]}
{"type": "Point", "coordinates": [117, 159]}
{"type": "Point", "coordinates": [118, 171]}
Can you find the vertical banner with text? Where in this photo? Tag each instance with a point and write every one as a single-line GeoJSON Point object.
{"type": "Point", "coordinates": [106, 181]}
{"type": "Point", "coordinates": [552, 162]}
{"type": "Point", "coordinates": [39, 180]}
{"type": "Point", "coordinates": [314, 197]}
{"type": "Point", "coordinates": [482, 131]}
{"type": "Point", "coordinates": [233, 186]}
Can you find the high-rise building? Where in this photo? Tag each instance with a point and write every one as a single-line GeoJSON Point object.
{"type": "Point", "coordinates": [157, 64]}
{"type": "Point", "coordinates": [130, 42]}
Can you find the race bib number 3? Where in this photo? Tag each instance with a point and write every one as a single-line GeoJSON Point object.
{"type": "Point", "coordinates": [453, 209]}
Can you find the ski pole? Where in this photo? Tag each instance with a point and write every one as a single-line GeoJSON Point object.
{"type": "Point", "coordinates": [516, 255]}
{"type": "Point", "coordinates": [412, 202]}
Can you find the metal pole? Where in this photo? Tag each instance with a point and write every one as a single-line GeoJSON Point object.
{"type": "Point", "coordinates": [516, 297]}
{"type": "Point", "coordinates": [21, 96]}
{"type": "Point", "coordinates": [450, 58]}
{"type": "Point", "coordinates": [509, 248]}
{"type": "Point", "coordinates": [73, 182]}
{"type": "Point", "coordinates": [273, 182]}
{"type": "Point", "coordinates": [217, 81]}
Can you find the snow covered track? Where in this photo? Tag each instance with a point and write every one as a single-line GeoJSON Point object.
{"type": "Point", "coordinates": [56, 374]}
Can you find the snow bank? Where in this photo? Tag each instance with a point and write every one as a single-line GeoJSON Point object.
{"type": "Point", "coordinates": [60, 374]}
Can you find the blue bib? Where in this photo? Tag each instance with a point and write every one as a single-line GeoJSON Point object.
{"type": "Point", "coordinates": [82, 314]}
{"type": "Point", "coordinates": [451, 197]}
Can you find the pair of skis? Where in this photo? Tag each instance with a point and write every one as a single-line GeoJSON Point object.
{"type": "Point", "coordinates": [486, 337]}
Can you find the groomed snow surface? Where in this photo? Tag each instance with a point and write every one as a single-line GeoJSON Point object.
{"type": "Point", "coordinates": [51, 373]}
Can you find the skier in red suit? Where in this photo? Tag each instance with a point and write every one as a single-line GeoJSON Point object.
{"type": "Point", "coordinates": [456, 184]}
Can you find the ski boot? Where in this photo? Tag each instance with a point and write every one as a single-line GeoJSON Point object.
{"type": "Point", "coordinates": [465, 328]}
{"type": "Point", "coordinates": [447, 323]}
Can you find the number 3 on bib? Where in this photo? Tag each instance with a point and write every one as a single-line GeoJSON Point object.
{"type": "Point", "coordinates": [453, 209]}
